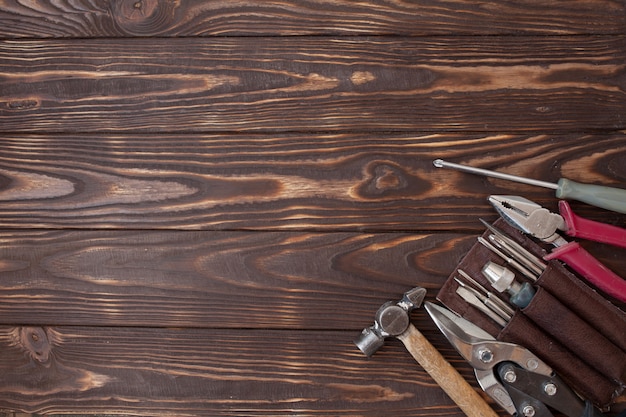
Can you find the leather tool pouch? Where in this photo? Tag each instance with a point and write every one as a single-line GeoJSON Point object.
{"type": "Point", "coordinates": [571, 327]}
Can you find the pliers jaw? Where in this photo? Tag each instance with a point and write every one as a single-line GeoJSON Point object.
{"type": "Point", "coordinates": [529, 217]}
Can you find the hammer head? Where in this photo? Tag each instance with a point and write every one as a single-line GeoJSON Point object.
{"type": "Point", "coordinates": [392, 319]}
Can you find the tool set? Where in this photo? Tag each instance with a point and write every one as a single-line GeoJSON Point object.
{"type": "Point", "coordinates": [486, 299]}
{"type": "Point", "coordinates": [538, 336]}
{"type": "Point", "coordinates": [473, 298]}
{"type": "Point", "coordinates": [509, 260]}
{"type": "Point", "coordinates": [519, 381]}
{"type": "Point", "coordinates": [392, 320]}
{"type": "Point", "coordinates": [508, 311]}
{"type": "Point", "coordinates": [504, 242]}
{"type": "Point", "coordinates": [542, 224]}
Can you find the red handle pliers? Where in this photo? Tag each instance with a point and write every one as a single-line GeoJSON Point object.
{"type": "Point", "coordinates": [539, 222]}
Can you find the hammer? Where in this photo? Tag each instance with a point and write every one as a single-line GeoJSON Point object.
{"type": "Point", "coordinates": [393, 320]}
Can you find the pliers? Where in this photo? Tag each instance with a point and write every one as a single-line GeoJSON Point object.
{"type": "Point", "coordinates": [510, 374]}
{"type": "Point", "coordinates": [539, 222]}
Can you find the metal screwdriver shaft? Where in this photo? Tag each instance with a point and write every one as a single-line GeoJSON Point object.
{"type": "Point", "coordinates": [440, 163]}
{"type": "Point", "coordinates": [597, 195]}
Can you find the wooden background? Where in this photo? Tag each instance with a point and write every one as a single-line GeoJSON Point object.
{"type": "Point", "coordinates": [202, 203]}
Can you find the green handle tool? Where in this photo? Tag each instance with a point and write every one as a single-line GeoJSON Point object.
{"type": "Point", "coordinates": [609, 198]}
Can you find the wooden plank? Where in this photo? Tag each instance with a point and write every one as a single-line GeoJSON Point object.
{"type": "Point", "coordinates": [215, 279]}
{"type": "Point", "coordinates": [218, 373]}
{"type": "Point", "coordinates": [339, 182]}
{"type": "Point", "coordinates": [41, 18]}
{"type": "Point", "coordinates": [314, 84]}
{"type": "Point", "coordinates": [221, 279]}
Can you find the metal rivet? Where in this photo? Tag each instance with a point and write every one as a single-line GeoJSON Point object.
{"type": "Point", "coordinates": [528, 411]}
{"type": "Point", "coordinates": [549, 388]}
{"type": "Point", "coordinates": [485, 355]}
{"type": "Point", "coordinates": [532, 364]}
{"type": "Point", "coordinates": [510, 376]}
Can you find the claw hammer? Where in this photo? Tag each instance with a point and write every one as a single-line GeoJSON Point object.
{"type": "Point", "coordinates": [393, 320]}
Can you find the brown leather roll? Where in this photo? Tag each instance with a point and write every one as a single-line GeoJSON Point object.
{"type": "Point", "coordinates": [576, 373]}
{"type": "Point", "coordinates": [577, 335]}
{"type": "Point", "coordinates": [586, 303]}
{"type": "Point", "coordinates": [586, 309]}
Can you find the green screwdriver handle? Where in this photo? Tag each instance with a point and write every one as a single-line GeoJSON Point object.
{"type": "Point", "coordinates": [609, 198]}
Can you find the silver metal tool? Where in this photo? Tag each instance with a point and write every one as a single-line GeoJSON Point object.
{"type": "Point", "coordinates": [392, 320]}
{"type": "Point", "coordinates": [504, 244]}
{"type": "Point", "coordinates": [539, 222]}
{"type": "Point", "coordinates": [597, 195]}
{"type": "Point", "coordinates": [502, 305]}
{"type": "Point", "coordinates": [514, 377]}
{"type": "Point", "coordinates": [530, 218]}
{"type": "Point", "coordinates": [440, 163]}
{"type": "Point", "coordinates": [503, 279]}
{"type": "Point", "coordinates": [479, 301]}
{"type": "Point", "coordinates": [472, 300]}
{"type": "Point", "coordinates": [514, 249]}
{"type": "Point", "coordinates": [509, 260]}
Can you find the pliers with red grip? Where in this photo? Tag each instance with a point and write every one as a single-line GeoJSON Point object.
{"type": "Point", "coordinates": [539, 222]}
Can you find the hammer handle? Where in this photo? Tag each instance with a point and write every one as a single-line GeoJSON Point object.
{"type": "Point", "coordinates": [457, 388]}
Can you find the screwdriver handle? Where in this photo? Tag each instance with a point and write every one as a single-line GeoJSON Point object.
{"type": "Point", "coordinates": [590, 268]}
{"type": "Point", "coordinates": [609, 198]}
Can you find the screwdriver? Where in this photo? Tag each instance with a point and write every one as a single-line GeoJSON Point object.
{"type": "Point", "coordinates": [609, 198]}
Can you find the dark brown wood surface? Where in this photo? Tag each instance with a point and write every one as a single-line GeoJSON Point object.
{"type": "Point", "coordinates": [338, 182]}
{"type": "Point", "coordinates": [191, 279]}
{"type": "Point", "coordinates": [202, 203]}
{"type": "Point", "coordinates": [208, 372]}
{"type": "Point", "coordinates": [123, 18]}
{"type": "Point", "coordinates": [314, 84]}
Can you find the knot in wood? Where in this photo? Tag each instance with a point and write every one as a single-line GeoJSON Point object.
{"type": "Point", "coordinates": [36, 343]}
{"type": "Point", "coordinates": [144, 17]}
{"type": "Point", "coordinates": [389, 180]}
{"type": "Point", "coordinates": [383, 178]}
{"type": "Point", "coordinates": [23, 104]}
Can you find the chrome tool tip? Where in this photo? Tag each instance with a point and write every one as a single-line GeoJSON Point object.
{"type": "Point", "coordinates": [498, 276]}
{"type": "Point", "coordinates": [438, 163]}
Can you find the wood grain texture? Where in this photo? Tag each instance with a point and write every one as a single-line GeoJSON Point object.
{"type": "Point", "coordinates": [340, 182]}
{"type": "Point", "coordinates": [206, 372]}
{"type": "Point", "coordinates": [314, 84]}
{"type": "Point", "coordinates": [40, 18]}
{"type": "Point", "coordinates": [202, 203]}
{"type": "Point", "coordinates": [215, 279]}
{"type": "Point", "coordinates": [220, 279]}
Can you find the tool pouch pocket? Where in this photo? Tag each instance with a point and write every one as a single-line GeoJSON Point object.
{"type": "Point", "coordinates": [568, 325]}
{"type": "Point", "coordinates": [580, 376]}
{"type": "Point", "coordinates": [572, 331]}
